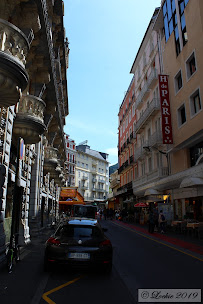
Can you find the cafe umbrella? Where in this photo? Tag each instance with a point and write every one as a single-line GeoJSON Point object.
{"type": "Point", "coordinates": [142, 205]}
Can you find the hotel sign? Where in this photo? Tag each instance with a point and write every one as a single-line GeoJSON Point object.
{"type": "Point", "coordinates": [165, 110]}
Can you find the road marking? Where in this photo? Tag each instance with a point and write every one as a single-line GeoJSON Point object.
{"type": "Point", "coordinates": [158, 241]}
{"type": "Point", "coordinates": [45, 295]}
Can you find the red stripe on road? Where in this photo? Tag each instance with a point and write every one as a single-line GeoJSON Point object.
{"type": "Point", "coordinates": [169, 239]}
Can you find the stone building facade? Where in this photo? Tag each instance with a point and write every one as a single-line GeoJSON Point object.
{"type": "Point", "coordinates": [92, 174]}
{"type": "Point", "coordinates": [33, 106]}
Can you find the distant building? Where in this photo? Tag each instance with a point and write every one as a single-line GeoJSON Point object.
{"type": "Point", "coordinates": [113, 168]}
{"type": "Point", "coordinates": [113, 198]}
{"type": "Point", "coordinates": [71, 160]}
{"type": "Point", "coordinates": [92, 174]}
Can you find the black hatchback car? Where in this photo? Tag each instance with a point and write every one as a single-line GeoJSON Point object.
{"type": "Point", "coordinates": [79, 242]}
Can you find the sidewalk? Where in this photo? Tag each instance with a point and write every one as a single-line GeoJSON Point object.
{"type": "Point", "coordinates": [186, 242]}
{"type": "Point", "coordinates": [24, 284]}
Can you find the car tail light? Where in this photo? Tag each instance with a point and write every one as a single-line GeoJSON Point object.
{"type": "Point", "coordinates": [106, 243]}
{"type": "Point", "coordinates": [53, 241]}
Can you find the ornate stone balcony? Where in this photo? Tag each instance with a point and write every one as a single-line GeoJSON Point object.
{"type": "Point", "coordinates": [51, 161]}
{"type": "Point", "coordinates": [14, 47]}
{"type": "Point", "coordinates": [29, 122]}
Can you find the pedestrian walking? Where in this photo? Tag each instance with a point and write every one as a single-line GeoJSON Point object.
{"type": "Point", "coordinates": [151, 222]}
{"type": "Point", "coordinates": [100, 213]}
{"type": "Point", "coordinates": [162, 221]}
{"type": "Point", "coordinates": [156, 219]}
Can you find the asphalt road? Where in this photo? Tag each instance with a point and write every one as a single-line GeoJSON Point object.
{"type": "Point", "coordinates": [138, 262]}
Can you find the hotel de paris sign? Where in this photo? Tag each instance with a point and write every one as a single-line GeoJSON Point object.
{"type": "Point", "coordinates": [165, 110]}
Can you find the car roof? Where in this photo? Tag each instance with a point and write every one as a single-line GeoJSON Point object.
{"type": "Point", "coordinates": [81, 221]}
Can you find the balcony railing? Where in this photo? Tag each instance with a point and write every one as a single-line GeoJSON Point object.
{"type": "Point", "coordinates": [139, 154]}
{"type": "Point", "coordinates": [154, 106]}
{"type": "Point", "coordinates": [131, 159]}
{"type": "Point", "coordinates": [89, 198]}
{"type": "Point", "coordinates": [126, 163]}
{"type": "Point", "coordinates": [147, 86]}
{"type": "Point", "coordinates": [120, 169]}
{"type": "Point", "coordinates": [84, 177]}
{"type": "Point", "coordinates": [13, 41]}
{"type": "Point", "coordinates": [155, 139]}
{"type": "Point", "coordinates": [83, 187]}
{"type": "Point", "coordinates": [101, 181]}
{"type": "Point", "coordinates": [149, 177]}
{"type": "Point", "coordinates": [115, 182]}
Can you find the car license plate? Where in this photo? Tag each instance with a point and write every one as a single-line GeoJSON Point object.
{"type": "Point", "coordinates": [79, 255]}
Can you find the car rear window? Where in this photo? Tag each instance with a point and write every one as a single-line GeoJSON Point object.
{"type": "Point", "coordinates": [84, 211]}
{"type": "Point", "coordinates": [74, 231]}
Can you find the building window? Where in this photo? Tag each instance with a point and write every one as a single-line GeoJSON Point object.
{"type": "Point", "coordinates": [182, 4]}
{"type": "Point", "coordinates": [181, 115]}
{"type": "Point", "coordinates": [178, 82]}
{"type": "Point", "coordinates": [195, 103]}
{"type": "Point", "coordinates": [170, 18]}
{"type": "Point", "coordinates": [191, 65]}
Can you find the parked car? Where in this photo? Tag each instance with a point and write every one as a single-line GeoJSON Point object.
{"type": "Point", "coordinates": [79, 242]}
{"type": "Point", "coordinates": [87, 211]}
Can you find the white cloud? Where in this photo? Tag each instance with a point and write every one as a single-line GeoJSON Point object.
{"type": "Point", "coordinates": [112, 151]}
{"type": "Point", "coordinates": [78, 124]}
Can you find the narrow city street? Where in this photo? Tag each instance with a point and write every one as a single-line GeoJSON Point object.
{"type": "Point", "coordinates": [140, 261]}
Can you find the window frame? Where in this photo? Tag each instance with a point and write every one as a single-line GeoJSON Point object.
{"type": "Point", "coordinates": [187, 68]}
{"type": "Point", "coordinates": [191, 98]}
{"type": "Point", "coordinates": [176, 89]}
{"type": "Point", "coordinates": [180, 124]}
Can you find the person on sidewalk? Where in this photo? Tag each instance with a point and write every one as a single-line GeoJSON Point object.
{"type": "Point", "coordinates": [156, 219]}
{"type": "Point", "coordinates": [162, 222]}
{"type": "Point", "coordinates": [151, 222]}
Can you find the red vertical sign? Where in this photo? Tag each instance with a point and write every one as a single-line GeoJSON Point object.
{"type": "Point", "coordinates": [165, 110]}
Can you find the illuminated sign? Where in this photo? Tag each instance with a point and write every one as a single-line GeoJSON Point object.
{"type": "Point", "coordinates": [165, 110]}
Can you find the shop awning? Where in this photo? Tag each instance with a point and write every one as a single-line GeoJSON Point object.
{"type": "Point", "coordinates": [71, 202]}
{"type": "Point", "coordinates": [191, 182]}
{"type": "Point", "coordinates": [141, 205]}
{"type": "Point", "coordinates": [70, 196]}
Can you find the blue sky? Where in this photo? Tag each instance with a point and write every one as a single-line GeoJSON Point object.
{"type": "Point", "coordinates": [104, 37]}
